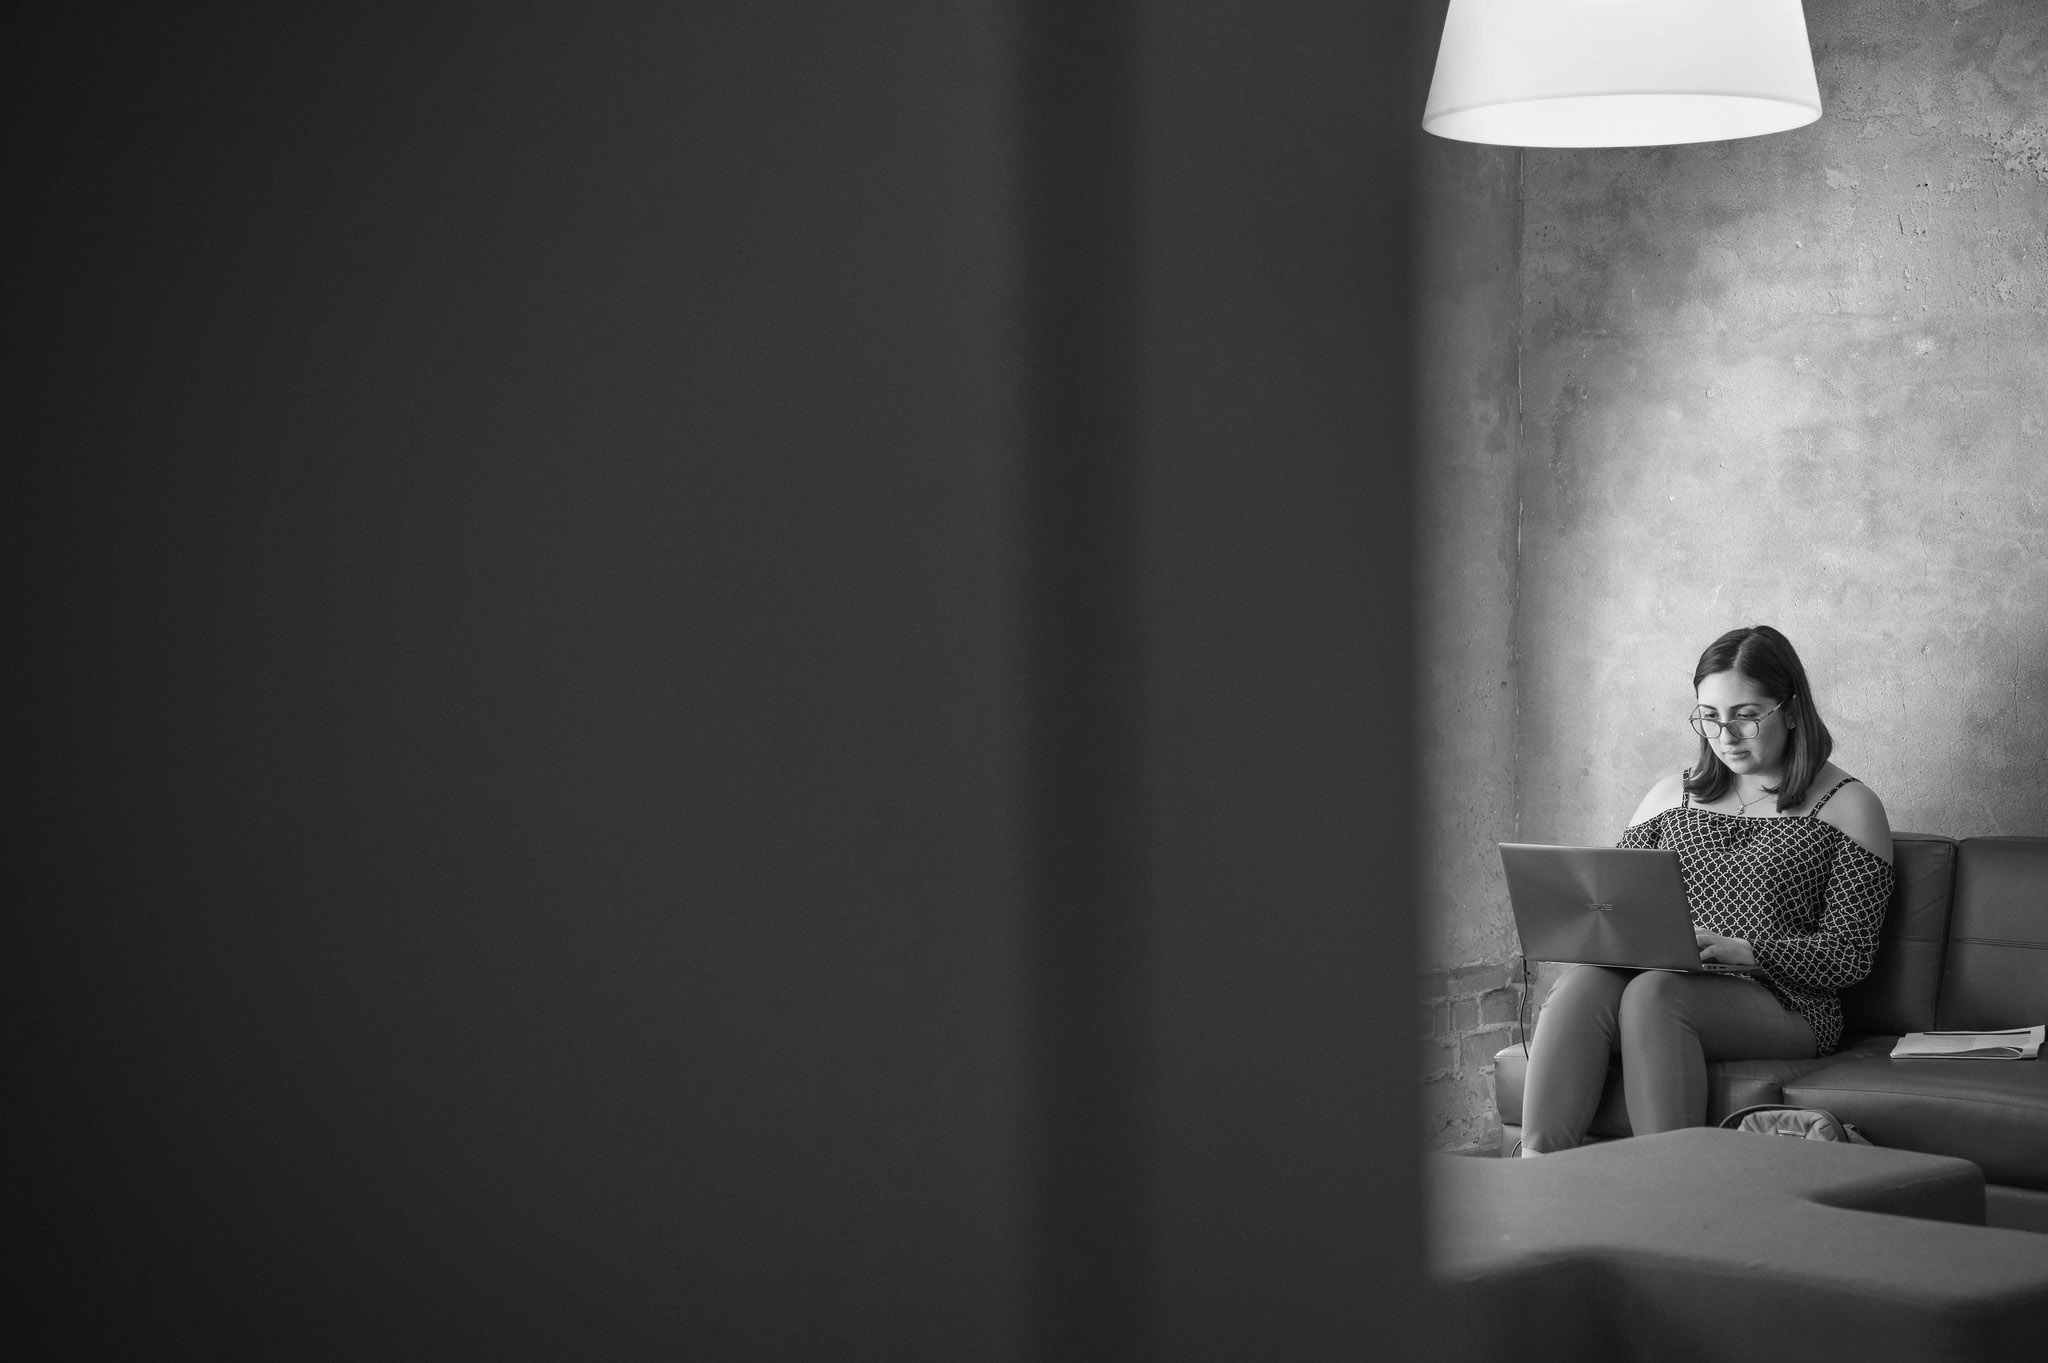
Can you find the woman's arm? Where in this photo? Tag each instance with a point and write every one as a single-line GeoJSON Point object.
{"type": "Point", "coordinates": [1856, 810]}
{"type": "Point", "coordinates": [1840, 950]}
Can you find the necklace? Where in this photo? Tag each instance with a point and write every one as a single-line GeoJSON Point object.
{"type": "Point", "coordinates": [1745, 804]}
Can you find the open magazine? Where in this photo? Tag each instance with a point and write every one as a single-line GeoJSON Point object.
{"type": "Point", "coordinates": [2019, 1043]}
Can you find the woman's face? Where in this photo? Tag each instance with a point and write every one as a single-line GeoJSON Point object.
{"type": "Point", "coordinates": [1732, 696]}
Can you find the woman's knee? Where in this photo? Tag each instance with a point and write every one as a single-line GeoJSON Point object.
{"type": "Point", "coordinates": [1656, 995]}
{"type": "Point", "coordinates": [1589, 983]}
{"type": "Point", "coordinates": [1584, 997]}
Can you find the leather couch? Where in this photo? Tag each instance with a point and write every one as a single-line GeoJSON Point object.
{"type": "Point", "coordinates": [1964, 946]}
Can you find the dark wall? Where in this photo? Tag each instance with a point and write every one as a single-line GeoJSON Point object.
{"type": "Point", "coordinates": [541, 620]}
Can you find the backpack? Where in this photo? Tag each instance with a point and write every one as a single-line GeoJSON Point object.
{"type": "Point", "coordinates": [1806, 1123]}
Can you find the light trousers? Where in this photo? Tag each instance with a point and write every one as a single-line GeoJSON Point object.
{"type": "Point", "coordinates": [1667, 1026]}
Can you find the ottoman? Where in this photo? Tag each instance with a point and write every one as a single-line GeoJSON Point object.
{"type": "Point", "coordinates": [1707, 1244]}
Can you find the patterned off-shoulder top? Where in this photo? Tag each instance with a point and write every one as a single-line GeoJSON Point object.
{"type": "Point", "coordinates": [1805, 895]}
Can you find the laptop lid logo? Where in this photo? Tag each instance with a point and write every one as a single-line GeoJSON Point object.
{"type": "Point", "coordinates": [1604, 908]}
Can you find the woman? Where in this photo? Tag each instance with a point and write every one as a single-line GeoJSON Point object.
{"type": "Point", "coordinates": [1787, 866]}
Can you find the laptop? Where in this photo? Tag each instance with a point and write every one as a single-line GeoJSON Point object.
{"type": "Point", "coordinates": [1619, 906]}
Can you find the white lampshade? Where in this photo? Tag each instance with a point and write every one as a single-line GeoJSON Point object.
{"type": "Point", "coordinates": [1620, 73]}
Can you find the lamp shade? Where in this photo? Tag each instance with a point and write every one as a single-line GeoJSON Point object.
{"type": "Point", "coordinates": [1620, 73]}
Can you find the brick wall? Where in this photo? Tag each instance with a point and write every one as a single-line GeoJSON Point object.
{"type": "Point", "coordinates": [1469, 1012]}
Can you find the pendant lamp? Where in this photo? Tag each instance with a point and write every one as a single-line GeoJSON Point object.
{"type": "Point", "coordinates": [1620, 73]}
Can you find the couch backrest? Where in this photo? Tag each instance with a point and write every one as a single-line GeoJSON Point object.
{"type": "Point", "coordinates": [1996, 970]}
{"type": "Point", "coordinates": [1900, 992]}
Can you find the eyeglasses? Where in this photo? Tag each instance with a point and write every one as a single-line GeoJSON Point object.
{"type": "Point", "coordinates": [1708, 727]}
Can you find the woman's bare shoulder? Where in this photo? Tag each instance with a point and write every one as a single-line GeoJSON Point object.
{"type": "Point", "coordinates": [1856, 810]}
{"type": "Point", "coordinates": [1668, 793]}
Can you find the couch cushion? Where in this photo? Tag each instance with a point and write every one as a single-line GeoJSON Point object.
{"type": "Point", "coordinates": [1732, 1085]}
{"type": "Point", "coordinates": [1991, 1112]}
{"type": "Point", "coordinates": [1899, 994]}
{"type": "Point", "coordinates": [1996, 970]}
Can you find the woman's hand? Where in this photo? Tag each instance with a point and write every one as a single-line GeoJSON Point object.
{"type": "Point", "coordinates": [1719, 950]}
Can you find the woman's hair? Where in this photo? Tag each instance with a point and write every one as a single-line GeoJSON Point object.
{"type": "Point", "coordinates": [1766, 657]}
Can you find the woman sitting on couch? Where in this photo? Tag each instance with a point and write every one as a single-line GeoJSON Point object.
{"type": "Point", "coordinates": [1786, 860]}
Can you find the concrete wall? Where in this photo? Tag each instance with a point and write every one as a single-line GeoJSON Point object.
{"type": "Point", "coordinates": [1799, 380]}
{"type": "Point", "coordinates": [1795, 380]}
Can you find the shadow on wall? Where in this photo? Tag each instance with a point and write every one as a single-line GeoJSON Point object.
{"type": "Point", "coordinates": [2027, 754]}
{"type": "Point", "coordinates": [2024, 755]}
{"type": "Point", "coordinates": [1959, 748]}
